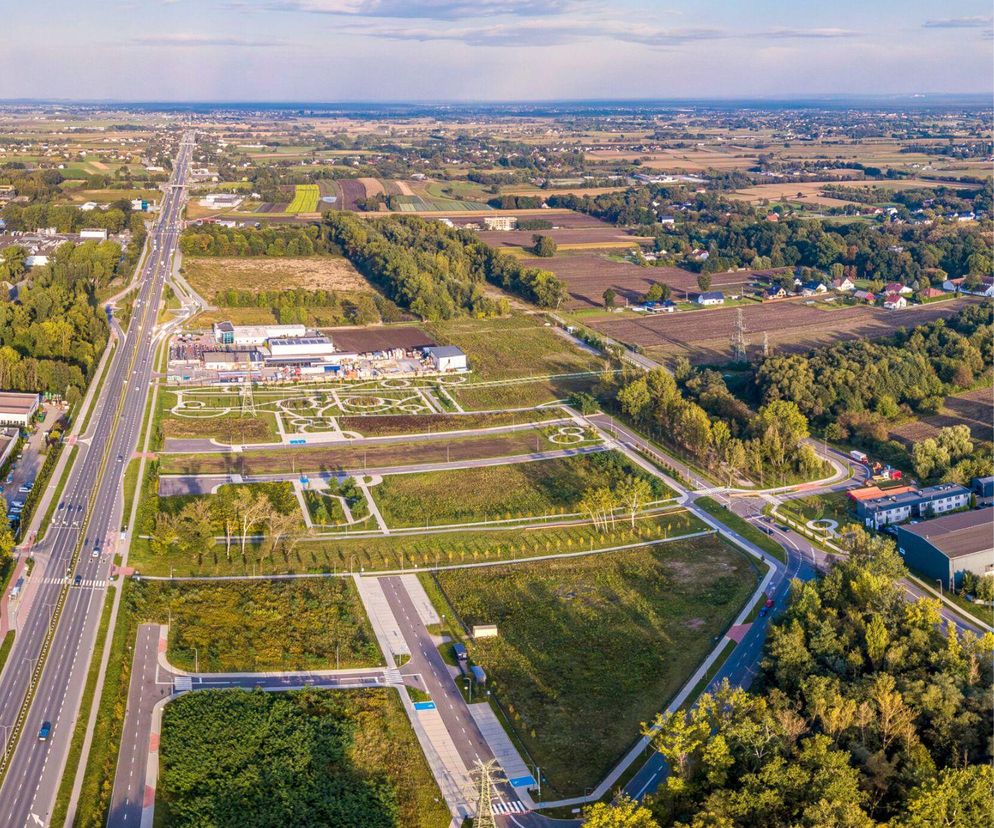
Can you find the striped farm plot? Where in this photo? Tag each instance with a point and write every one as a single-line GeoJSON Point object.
{"type": "Point", "coordinates": [305, 198]}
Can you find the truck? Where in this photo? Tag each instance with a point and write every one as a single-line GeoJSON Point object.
{"type": "Point", "coordinates": [858, 456]}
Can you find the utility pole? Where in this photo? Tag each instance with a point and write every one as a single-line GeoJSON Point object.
{"type": "Point", "coordinates": [766, 344]}
{"type": "Point", "coordinates": [485, 775]}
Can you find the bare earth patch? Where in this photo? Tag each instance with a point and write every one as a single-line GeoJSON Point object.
{"type": "Point", "coordinates": [210, 275]}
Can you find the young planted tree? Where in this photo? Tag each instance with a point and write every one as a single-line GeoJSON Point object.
{"type": "Point", "coordinates": [634, 492]}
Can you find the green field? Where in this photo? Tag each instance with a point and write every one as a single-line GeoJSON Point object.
{"type": "Point", "coordinates": [542, 487]}
{"type": "Point", "coordinates": [515, 346]}
{"type": "Point", "coordinates": [231, 758]}
{"type": "Point", "coordinates": [523, 392]}
{"type": "Point", "coordinates": [590, 647]}
{"type": "Point", "coordinates": [747, 530]}
{"type": "Point", "coordinates": [311, 624]}
{"type": "Point", "coordinates": [233, 428]}
{"type": "Point", "coordinates": [305, 199]}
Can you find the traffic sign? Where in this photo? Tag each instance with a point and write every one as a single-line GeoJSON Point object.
{"type": "Point", "coordinates": [297, 441]}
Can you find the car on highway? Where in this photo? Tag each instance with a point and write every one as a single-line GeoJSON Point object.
{"type": "Point", "coordinates": [10, 479]}
{"type": "Point", "coordinates": [77, 580]}
{"type": "Point", "coordinates": [46, 728]}
{"type": "Point", "coordinates": [96, 551]}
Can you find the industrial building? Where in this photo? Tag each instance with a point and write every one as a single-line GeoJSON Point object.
{"type": "Point", "coordinates": [916, 503]}
{"type": "Point", "coordinates": [446, 358]}
{"type": "Point", "coordinates": [227, 334]}
{"type": "Point", "coordinates": [17, 409]}
{"type": "Point", "coordinates": [947, 547]}
{"type": "Point", "coordinates": [296, 346]}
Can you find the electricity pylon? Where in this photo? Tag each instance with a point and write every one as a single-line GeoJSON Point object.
{"type": "Point", "coordinates": [486, 775]}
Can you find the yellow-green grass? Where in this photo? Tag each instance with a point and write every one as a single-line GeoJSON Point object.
{"type": "Point", "coordinates": [309, 624]}
{"type": "Point", "coordinates": [589, 648]}
{"type": "Point", "coordinates": [514, 346]}
{"type": "Point", "coordinates": [747, 530]}
{"type": "Point", "coordinates": [546, 487]}
{"type": "Point", "coordinates": [305, 199]}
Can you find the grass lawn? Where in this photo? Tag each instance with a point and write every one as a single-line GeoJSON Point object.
{"type": "Point", "coordinates": [831, 506]}
{"type": "Point", "coordinates": [262, 625]}
{"type": "Point", "coordinates": [747, 530]}
{"type": "Point", "coordinates": [332, 457]}
{"type": "Point", "coordinates": [515, 346]}
{"type": "Point", "coordinates": [231, 429]}
{"type": "Point", "coordinates": [500, 492]}
{"type": "Point", "coordinates": [590, 647]}
{"type": "Point", "coordinates": [390, 424]}
{"type": "Point", "coordinates": [518, 394]}
{"type": "Point", "coordinates": [308, 757]}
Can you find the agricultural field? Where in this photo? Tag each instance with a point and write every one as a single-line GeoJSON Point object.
{"type": "Point", "coordinates": [567, 238]}
{"type": "Point", "coordinates": [703, 335]}
{"type": "Point", "coordinates": [254, 626]}
{"type": "Point", "coordinates": [974, 409]}
{"type": "Point", "coordinates": [232, 428]}
{"type": "Point", "coordinates": [338, 757]}
{"type": "Point", "coordinates": [305, 199]}
{"type": "Point", "coordinates": [590, 647]}
{"type": "Point", "coordinates": [210, 276]}
{"type": "Point", "coordinates": [540, 488]}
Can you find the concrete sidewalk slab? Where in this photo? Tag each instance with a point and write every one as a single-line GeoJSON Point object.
{"type": "Point", "coordinates": [422, 603]}
{"type": "Point", "coordinates": [505, 752]}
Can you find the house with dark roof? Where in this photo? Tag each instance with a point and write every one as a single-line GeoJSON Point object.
{"type": "Point", "coordinates": [946, 548]}
{"type": "Point", "coordinates": [710, 297]}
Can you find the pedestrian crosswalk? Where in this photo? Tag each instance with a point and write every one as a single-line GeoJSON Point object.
{"type": "Point", "coordinates": [515, 807]}
{"type": "Point", "coordinates": [393, 676]}
{"type": "Point", "coordinates": [93, 583]}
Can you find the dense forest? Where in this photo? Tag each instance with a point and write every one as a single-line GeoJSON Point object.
{"type": "Point", "coordinates": [734, 234]}
{"type": "Point", "coordinates": [868, 711]}
{"type": "Point", "coordinates": [53, 333]}
{"type": "Point", "coordinates": [436, 271]}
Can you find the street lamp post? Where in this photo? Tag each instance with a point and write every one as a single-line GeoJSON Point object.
{"type": "Point", "coordinates": [196, 660]}
{"type": "Point", "coordinates": [939, 582]}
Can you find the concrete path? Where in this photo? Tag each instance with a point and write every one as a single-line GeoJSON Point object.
{"type": "Point", "coordinates": [385, 627]}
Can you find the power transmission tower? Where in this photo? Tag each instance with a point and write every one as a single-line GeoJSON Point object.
{"type": "Point", "coordinates": [766, 344]}
{"type": "Point", "coordinates": [738, 338]}
{"type": "Point", "coordinates": [486, 775]}
{"type": "Point", "coordinates": [248, 399]}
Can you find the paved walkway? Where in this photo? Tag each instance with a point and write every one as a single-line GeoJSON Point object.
{"type": "Point", "coordinates": [518, 774]}
{"type": "Point", "coordinates": [385, 626]}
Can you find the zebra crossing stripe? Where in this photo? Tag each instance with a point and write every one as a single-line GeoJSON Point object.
{"type": "Point", "coordinates": [515, 807]}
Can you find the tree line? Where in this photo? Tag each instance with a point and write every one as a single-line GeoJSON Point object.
{"type": "Point", "coordinates": [436, 271]}
{"type": "Point", "coordinates": [216, 240]}
{"type": "Point", "coordinates": [869, 710]}
{"type": "Point", "coordinates": [768, 446]}
{"type": "Point", "coordinates": [53, 332]}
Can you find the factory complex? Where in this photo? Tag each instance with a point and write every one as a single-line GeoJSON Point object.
{"type": "Point", "coordinates": [279, 353]}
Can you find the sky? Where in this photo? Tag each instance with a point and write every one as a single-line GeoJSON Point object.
{"type": "Point", "coordinates": [491, 50]}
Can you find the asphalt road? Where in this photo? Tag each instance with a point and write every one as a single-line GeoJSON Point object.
{"type": "Point", "coordinates": [86, 519]}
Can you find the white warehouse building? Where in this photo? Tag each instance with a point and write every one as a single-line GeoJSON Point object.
{"type": "Point", "coordinates": [446, 358]}
{"type": "Point", "coordinates": [228, 334]}
{"type": "Point", "coordinates": [309, 346]}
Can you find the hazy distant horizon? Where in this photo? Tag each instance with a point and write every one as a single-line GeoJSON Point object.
{"type": "Point", "coordinates": [492, 50]}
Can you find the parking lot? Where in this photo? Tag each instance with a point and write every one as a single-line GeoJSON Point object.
{"type": "Point", "coordinates": [21, 475]}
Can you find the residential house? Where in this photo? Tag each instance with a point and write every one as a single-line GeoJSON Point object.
{"type": "Point", "coordinates": [864, 296]}
{"type": "Point", "coordinates": [812, 288]}
{"type": "Point", "coordinates": [710, 297]}
{"type": "Point", "coordinates": [843, 285]}
{"type": "Point", "coordinates": [932, 293]}
{"type": "Point", "coordinates": [774, 292]}
{"type": "Point", "coordinates": [953, 285]}
{"type": "Point", "coordinates": [894, 301]}
{"type": "Point", "coordinates": [897, 287]}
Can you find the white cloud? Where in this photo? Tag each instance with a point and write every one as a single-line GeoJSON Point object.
{"type": "Point", "coordinates": [959, 23]}
{"type": "Point", "coordinates": [196, 40]}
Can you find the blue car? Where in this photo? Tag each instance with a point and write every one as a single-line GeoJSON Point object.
{"type": "Point", "coordinates": [46, 728]}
